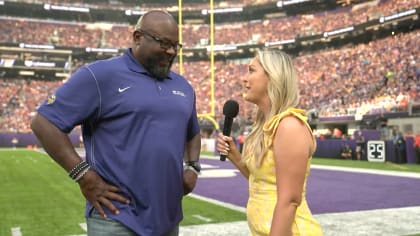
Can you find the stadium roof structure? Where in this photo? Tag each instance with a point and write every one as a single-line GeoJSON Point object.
{"type": "Point", "coordinates": [193, 11]}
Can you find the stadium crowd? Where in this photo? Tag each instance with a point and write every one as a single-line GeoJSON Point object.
{"type": "Point", "coordinates": [18, 100]}
{"type": "Point", "coordinates": [381, 76]}
{"type": "Point", "coordinates": [267, 30]}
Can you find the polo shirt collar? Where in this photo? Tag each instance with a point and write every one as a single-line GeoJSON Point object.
{"type": "Point", "coordinates": [135, 66]}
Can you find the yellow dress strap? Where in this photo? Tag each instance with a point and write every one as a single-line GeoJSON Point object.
{"type": "Point", "coordinates": [271, 125]}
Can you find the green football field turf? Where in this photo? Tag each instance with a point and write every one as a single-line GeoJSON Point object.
{"type": "Point", "coordinates": [38, 197]}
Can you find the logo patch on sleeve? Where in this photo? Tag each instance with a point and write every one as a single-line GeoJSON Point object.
{"type": "Point", "coordinates": [51, 99]}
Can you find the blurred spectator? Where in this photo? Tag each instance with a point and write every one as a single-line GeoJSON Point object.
{"type": "Point", "coordinates": [345, 151]}
{"type": "Point", "coordinates": [417, 147]}
{"type": "Point", "coordinates": [360, 146]}
{"type": "Point", "coordinates": [337, 133]}
{"type": "Point", "coordinates": [15, 142]}
{"type": "Point", "coordinates": [399, 147]}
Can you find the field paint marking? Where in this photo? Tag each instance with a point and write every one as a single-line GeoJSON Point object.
{"type": "Point", "coordinates": [378, 222]}
{"type": "Point", "coordinates": [369, 171]}
{"type": "Point", "coordinates": [220, 203]}
{"type": "Point", "coordinates": [83, 226]}
{"type": "Point", "coordinates": [200, 217]}
{"type": "Point", "coordinates": [219, 173]}
{"type": "Point", "coordinates": [354, 169]}
{"type": "Point", "coordinates": [16, 231]}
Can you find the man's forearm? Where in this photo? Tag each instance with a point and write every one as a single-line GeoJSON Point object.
{"type": "Point", "coordinates": [193, 148]}
{"type": "Point", "coordinates": [56, 143]}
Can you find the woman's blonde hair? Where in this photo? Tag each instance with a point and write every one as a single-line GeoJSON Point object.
{"type": "Point", "coordinates": [282, 91]}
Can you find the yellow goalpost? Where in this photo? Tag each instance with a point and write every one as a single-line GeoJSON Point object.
{"type": "Point", "coordinates": [210, 116]}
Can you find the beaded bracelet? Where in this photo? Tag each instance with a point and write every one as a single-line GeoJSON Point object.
{"type": "Point", "coordinates": [82, 173]}
{"type": "Point", "coordinates": [76, 170]}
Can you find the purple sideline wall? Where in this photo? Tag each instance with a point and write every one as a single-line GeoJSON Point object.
{"type": "Point", "coordinates": [26, 139]}
{"type": "Point", "coordinates": [329, 148]}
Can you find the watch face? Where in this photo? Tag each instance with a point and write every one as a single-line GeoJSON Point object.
{"type": "Point", "coordinates": [195, 164]}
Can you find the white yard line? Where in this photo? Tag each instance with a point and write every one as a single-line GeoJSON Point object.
{"type": "Point", "coordinates": [202, 218]}
{"type": "Point", "coordinates": [352, 169]}
{"type": "Point", "coordinates": [16, 231]}
{"type": "Point", "coordinates": [384, 222]}
{"type": "Point", "coordinates": [368, 171]}
{"type": "Point", "coordinates": [217, 202]}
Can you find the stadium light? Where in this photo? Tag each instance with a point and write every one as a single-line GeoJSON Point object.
{"type": "Point", "coordinates": [38, 46]}
{"type": "Point", "coordinates": [222, 10]}
{"type": "Point", "coordinates": [339, 31]}
{"type": "Point", "coordinates": [65, 8]}
{"type": "Point", "coordinates": [61, 74]}
{"type": "Point", "coordinates": [290, 2]}
{"type": "Point", "coordinates": [281, 42]}
{"type": "Point", "coordinates": [112, 50]}
{"type": "Point", "coordinates": [397, 15]}
{"type": "Point", "coordinates": [26, 72]}
{"type": "Point", "coordinates": [1, 2]}
{"type": "Point", "coordinates": [29, 63]}
{"type": "Point", "coordinates": [130, 12]}
{"type": "Point", "coordinates": [222, 48]}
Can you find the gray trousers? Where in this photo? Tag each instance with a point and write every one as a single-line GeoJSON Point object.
{"type": "Point", "coordinates": [99, 226]}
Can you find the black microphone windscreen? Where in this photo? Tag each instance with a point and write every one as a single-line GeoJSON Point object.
{"type": "Point", "coordinates": [231, 108]}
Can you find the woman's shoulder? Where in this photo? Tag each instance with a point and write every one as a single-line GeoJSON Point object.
{"type": "Point", "coordinates": [289, 116]}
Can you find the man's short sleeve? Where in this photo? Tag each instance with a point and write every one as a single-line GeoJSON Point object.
{"type": "Point", "coordinates": [73, 102]}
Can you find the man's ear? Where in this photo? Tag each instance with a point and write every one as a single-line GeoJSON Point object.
{"type": "Point", "coordinates": [137, 37]}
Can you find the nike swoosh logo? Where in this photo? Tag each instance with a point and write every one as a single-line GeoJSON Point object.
{"type": "Point", "coordinates": [123, 89]}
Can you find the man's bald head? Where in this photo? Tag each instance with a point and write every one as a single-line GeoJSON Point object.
{"type": "Point", "coordinates": [156, 42]}
{"type": "Point", "coordinates": [155, 18]}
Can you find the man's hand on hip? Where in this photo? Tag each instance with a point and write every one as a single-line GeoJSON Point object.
{"type": "Point", "coordinates": [100, 194]}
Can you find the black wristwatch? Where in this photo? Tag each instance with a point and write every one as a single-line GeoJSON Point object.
{"type": "Point", "coordinates": [193, 165]}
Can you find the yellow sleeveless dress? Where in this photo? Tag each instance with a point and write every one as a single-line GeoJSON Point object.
{"type": "Point", "coordinates": [262, 188]}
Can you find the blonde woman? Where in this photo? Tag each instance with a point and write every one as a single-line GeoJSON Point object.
{"type": "Point", "coordinates": [277, 152]}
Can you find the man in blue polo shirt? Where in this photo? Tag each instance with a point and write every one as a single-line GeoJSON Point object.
{"type": "Point", "coordinates": [139, 125]}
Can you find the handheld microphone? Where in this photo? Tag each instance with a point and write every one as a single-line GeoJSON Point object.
{"type": "Point", "coordinates": [230, 110]}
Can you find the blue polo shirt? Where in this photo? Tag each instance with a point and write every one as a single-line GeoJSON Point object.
{"type": "Point", "coordinates": [135, 129]}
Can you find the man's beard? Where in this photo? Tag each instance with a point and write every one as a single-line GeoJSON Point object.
{"type": "Point", "coordinates": [155, 69]}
